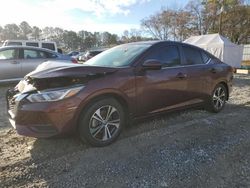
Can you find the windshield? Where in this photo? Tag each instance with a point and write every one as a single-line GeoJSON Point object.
{"type": "Point", "coordinates": [119, 56]}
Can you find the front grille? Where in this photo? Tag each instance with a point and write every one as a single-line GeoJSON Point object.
{"type": "Point", "coordinates": [11, 104]}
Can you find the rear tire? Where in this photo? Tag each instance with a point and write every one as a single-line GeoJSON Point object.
{"type": "Point", "coordinates": [217, 99]}
{"type": "Point", "coordinates": [102, 122]}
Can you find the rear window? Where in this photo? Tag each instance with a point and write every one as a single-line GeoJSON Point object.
{"type": "Point", "coordinates": [34, 54]}
{"type": "Point", "coordinates": [35, 44]}
{"type": "Point", "coordinates": [50, 46]}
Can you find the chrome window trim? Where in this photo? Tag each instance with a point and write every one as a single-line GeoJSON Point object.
{"type": "Point", "coordinates": [182, 66]}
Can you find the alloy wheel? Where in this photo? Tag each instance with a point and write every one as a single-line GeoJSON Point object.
{"type": "Point", "coordinates": [219, 98]}
{"type": "Point", "coordinates": [104, 123]}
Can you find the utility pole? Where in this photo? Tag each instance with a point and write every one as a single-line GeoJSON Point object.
{"type": "Point", "coordinates": [220, 18]}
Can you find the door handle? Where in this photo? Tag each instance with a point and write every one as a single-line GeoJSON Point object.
{"type": "Point", "coordinates": [213, 70]}
{"type": "Point", "coordinates": [14, 62]}
{"type": "Point", "coordinates": [180, 75]}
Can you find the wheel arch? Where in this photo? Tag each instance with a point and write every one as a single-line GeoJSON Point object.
{"type": "Point", "coordinates": [226, 86]}
{"type": "Point", "coordinates": [111, 94]}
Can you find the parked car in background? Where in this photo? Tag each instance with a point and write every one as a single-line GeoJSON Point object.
{"type": "Point", "coordinates": [17, 61]}
{"type": "Point", "coordinates": [82, 56]}
{"type": "Point", "coordinates": [79, 56]}
{"type": "Point", "coordinates": [129, 81]}
{"type": "Point", "coordinates": [73, 53]}
{"type": "Point", "coordinates": [91, 53]}
{"type": "Point", "coordinates": [41, 44]}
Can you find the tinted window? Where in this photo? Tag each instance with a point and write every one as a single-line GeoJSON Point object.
{"type": "Point", "coordinates": [50, 55]}
{"type": "Point", "coordinates": [94, 53]}
{"type": "Point", "coordinates": [34, 54]}
{"type": "Point", "coordinates": [9, 54]}
{"type": "Point", "coordinates": [14, 44]}
{"type": "Point", "coordinates": [169, 56]}
{"type": "Point", "coordinates": [35, 44]}
{"type": "Point", "coordinates": [205, 57]}
{"type": "Point", "coordinates": [50, 46]}
{"type": "Point", "coordinates": [193, 56]}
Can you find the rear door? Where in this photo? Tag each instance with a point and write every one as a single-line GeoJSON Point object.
{"type": "Point", "coordinates": [159, 90]}
{"type": "Point", "coordinates": [198, 76]}
{"type": "Point", "coordinates": [10, 67]}
{"type": "Point", "coordinates": [31, 58]}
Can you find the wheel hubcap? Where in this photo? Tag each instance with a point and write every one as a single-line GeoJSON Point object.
{"type": "Point", "coordinates": [219, 98]}
{"type": "Point", "coordinates": [104, 123]}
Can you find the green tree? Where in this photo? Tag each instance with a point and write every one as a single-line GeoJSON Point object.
{"type": "Point", "coordinates": [228, 17]}
{"type": "Point", "coordinates": [71, 40]}
{"type": "Point", "coordinates": [36, 33]}
{"type": "Point", "coordinates": [25, 29]}
{"type": "Point", "coordinates": [11, 31]}
{"type": "Point", "coordinates": [108, 39]}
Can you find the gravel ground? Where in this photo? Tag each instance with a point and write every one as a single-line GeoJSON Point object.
{"type": "Point", "coordinates": [191, 148]}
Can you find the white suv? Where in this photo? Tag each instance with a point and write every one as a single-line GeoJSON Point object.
{"type": "Point", "coordinates": [41, 44]}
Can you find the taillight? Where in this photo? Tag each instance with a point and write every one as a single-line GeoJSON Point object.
{"type": "Point", "coordinates": [74, 60]}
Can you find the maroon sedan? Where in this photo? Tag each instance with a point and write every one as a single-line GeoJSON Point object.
{"type": "Point", "coordinates": [128, 81]}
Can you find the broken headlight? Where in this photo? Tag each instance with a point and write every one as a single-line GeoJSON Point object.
{"type": "Point", "coordinates": [54, 95]}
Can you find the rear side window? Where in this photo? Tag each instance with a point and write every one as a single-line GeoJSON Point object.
{"type": "Point", "coordinates": [33, 54]}
{"type": "Point", "coordinates": [206, 58]}
{"type": "Point", "coordinates": [95, 53]}
{"type": "Point", "coordinates": [9, 54]}
{"type": "Point", "coordinates": [14, 44]}
{"type": "Point", "coordinates": [193, 56]}
{"type": "Point", "coordinates": [35, 44]}
{"type": "Point", "coordinates": [50, 46]}
{"type": "Point", "coordinates": [168, 55]}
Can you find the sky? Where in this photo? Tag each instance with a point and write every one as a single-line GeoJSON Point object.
{"type": "Point", "coordinates": [113, 16]}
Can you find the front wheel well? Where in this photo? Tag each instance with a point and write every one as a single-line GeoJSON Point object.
{"type": "Point", "coordinates": [117, 97]}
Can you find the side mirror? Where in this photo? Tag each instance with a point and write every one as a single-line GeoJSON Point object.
{"type": "Point", "coordinates": [152, 64]}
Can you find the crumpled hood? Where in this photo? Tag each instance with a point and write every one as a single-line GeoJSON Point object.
{"type": "Point", "coordinates": [76, 71]}
{"type": "Point", "coordinates": [63, 75]}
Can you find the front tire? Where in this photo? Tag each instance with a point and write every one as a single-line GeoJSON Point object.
{"type": "Point", "coordinates": [102, 122]}
{"type": "Point", "coordinates": [217, 99]}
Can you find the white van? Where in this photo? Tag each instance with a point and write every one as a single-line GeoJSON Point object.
{"type": "Point", "coordinates": [42, 44]}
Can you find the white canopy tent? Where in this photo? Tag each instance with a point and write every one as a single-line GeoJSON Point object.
{"type": "Point", "coordinates": [220, 47]}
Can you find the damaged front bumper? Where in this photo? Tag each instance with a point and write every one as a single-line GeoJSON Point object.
{"type": "Point", "coordinates": [44, 119]}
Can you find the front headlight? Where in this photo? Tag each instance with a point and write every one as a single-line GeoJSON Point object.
{"type": "Point", "coordinates": [54, 95]}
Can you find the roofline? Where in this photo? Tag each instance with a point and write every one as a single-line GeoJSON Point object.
{"type": "Point", "coordinates": [29, 47]}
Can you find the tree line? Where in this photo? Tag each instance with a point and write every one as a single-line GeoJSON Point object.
{"type": "Point", "coordinates": [230, 18]}
{"type": "Point", "coordinates": [68, 40]}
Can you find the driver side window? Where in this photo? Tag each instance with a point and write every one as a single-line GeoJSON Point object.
{"type": "Point", "coordinates": [169, 56]}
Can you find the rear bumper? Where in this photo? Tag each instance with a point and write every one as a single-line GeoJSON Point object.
{"type": "Point", "coordinates": [41, 120]}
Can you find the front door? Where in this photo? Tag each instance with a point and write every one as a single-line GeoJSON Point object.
{"type": "Point", "coordinates": [159, 90]}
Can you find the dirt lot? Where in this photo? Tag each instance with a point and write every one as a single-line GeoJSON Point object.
{"type": "Point", "coordinates": [192, 148]}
